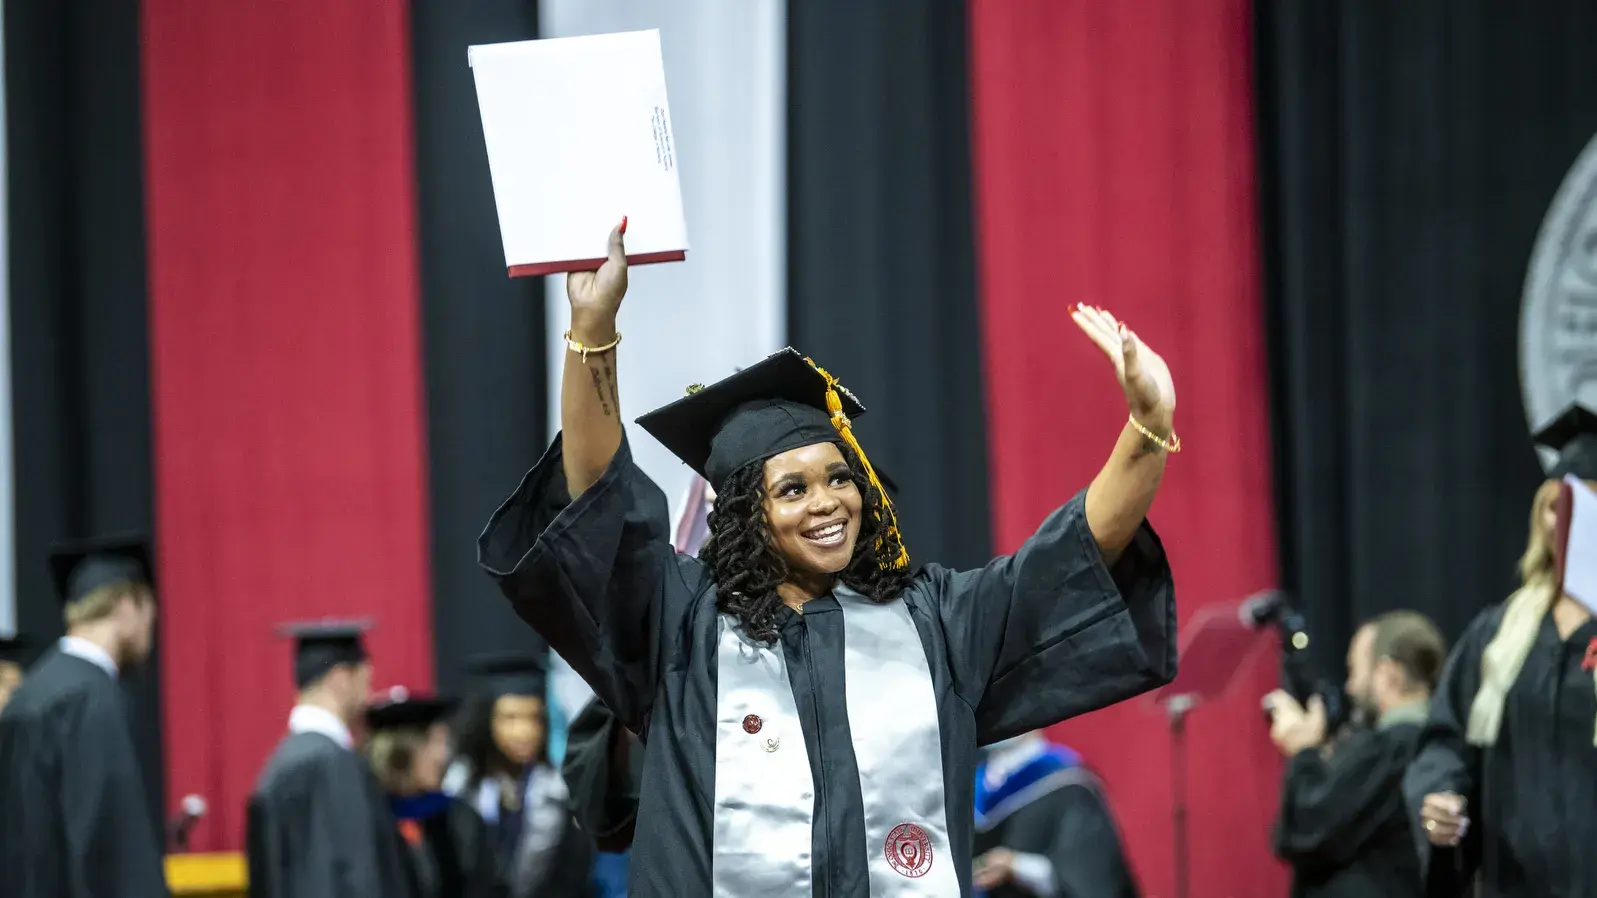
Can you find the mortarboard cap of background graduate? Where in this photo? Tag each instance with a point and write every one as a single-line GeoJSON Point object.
{"type": "Point", "coordinates": [510, 673]}
{"type": "Point", "coordinates": [400, 708]}
{"type": "Point", "coordinates": [321, 645]}
{"type": "Point", "coordinates": [1573, 435]}
{"type": "Point", "coordinates": [83, 566]}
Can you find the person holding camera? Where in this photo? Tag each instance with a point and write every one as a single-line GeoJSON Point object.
{"type": "Point", "coordinates": [1343, 825]}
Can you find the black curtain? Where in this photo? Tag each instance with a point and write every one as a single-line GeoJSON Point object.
{"type": "Point", "coordinates": [1409, 152]}
{"type": "Point", "coordinates": [484, 332]}
{"type": "Point", "coordinates": [79, 359]}
{"type": "Point", "coordinates": [881, 261]}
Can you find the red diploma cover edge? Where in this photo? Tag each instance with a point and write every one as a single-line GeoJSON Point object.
{"type": "Point", "coordinates": [542, 268]}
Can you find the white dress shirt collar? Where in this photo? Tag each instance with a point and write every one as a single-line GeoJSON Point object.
{"type": "Point", "coordinates": [311, 719]}
{"type": "Point", "coordinates": [82, 648]}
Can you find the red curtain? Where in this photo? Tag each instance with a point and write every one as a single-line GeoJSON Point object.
{"type": "Point", "coordinates": [1114, 165]}
{"type": "Point", "coordinates": [286, 376]}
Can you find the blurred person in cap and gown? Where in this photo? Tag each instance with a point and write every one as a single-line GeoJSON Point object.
{"type": "Point", "coordinates": [448, 845]}
{"type": "Point", "coordinates": [810, 704]}
{"type": "Point", "coordinates": [318, 824]}
{"type": "Point", "coordinates": [74, 816]}
{"type": "Point", "coordinates": [12, 649]}
{"type": "Point", "coordinates": [502, 770]}
{"type": "Point", "coordinates": [1505, 780]}
{"type": "Point", "coordinates": [1043, 826]}
{"type": "Point", "coordinates": [1343, 824]}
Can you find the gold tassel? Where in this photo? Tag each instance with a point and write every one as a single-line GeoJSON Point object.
{"type": "Point", "coordinates": [834, 408]}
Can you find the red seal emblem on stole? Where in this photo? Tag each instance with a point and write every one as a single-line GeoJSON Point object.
{"type": "Point", "coordinates": [909, 850]}
{"type": "Point", "coordinates": [752, 724]}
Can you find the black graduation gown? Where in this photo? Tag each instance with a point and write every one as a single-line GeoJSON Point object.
{"type": "Point", "coordinates": [568, 874]}
{"type": "Point", "coordinates": [1533, 795]}
{"type": "Point", "coordinates": [74, 822]}
{"type": "Point", "coordinates": [1023, 643]}
{"type": "Point", "coordinates": [1343, 824]}
{"type": "Point", "coordinates": [1072, 827]}
{"type": "Point", "coordinates": [318, 826]}
{"type": "Point", "coordinates": [453, 858]}
{"type": "Point", "coordinates": [604, 770]}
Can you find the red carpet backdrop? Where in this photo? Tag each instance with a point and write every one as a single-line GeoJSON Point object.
{"type": "Point", "coordinates": [1114, 166]}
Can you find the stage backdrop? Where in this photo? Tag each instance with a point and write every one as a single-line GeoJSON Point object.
{"type": "Point", "coordinates": [1114, 166]}
{"type": "Point", "coordinates": [286, 363]}
{"type": "Point", "coordinates": [1411, 153]}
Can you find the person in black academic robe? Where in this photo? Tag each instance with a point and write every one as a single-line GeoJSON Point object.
{"type": "Point", "coordinates": [1343, 824]}
{"type": "Point", "coordinates": [447, 843]}
{"type": "Point", "coordinates": [503, 772]}
{"type": "Point", "coordinates": [318, 824]}
{"type": "Point", "coordinates": [817, 731]}
{"type": "Point", "coordinates": [74, 819]}
{"type": "Point", "coordinates": [1505, 781]}
{"type": "Point", "coordinates": [1044, 828]}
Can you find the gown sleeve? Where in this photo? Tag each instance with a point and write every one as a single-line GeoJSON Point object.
{"type": "Point", "coordinates": [599, 769]}
{"type": "Point", "coordinates": [1086, 853]}
{"type": "Point", "coordinates": [341, 822]}
{"type": "Point", "coordinates": [474, 850]}
{"type": "Point", "coordinates": [1051, 631]}
{"type": "Point", "coordinates": [1332, 806]}
{"type": "Point", "coordinates": [595, 576]}
{"type": "Point", "coordinates": [109, 836]}
{"type": "Point", "coordinates": [1445, 762]}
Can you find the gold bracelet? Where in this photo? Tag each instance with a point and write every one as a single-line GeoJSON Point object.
{"type": "Point", "coordinates": [1172, 444]}
{"type": "Point", "coordinates": [583, 350]}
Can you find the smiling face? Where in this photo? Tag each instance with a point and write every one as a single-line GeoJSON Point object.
{"type": "Point", "coordinates": [812, 507]}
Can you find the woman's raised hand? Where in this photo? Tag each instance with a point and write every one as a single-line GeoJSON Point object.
{"type": "Point", "coordinates": [1143, 375]}
{"type": "Point", "coordinates": [596, 295]}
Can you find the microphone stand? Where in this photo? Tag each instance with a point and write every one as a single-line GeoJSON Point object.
{"type": "Point", "coordinates": [1176, 709]}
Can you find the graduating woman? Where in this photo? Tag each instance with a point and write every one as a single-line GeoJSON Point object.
{"type": "Point", "coordinates": [811, 705]}
{"type": "Point", "coordinates": [449, 853]}
{"type": "Point", "coordinates": [503, 771]}
{"type": "Point", "coordinates": [1505, 780]}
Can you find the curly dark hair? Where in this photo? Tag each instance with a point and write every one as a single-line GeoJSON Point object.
{"type": "Point", "coordinates": [474, 741]}
{"type": "Point", "coordinates": [747, 568]}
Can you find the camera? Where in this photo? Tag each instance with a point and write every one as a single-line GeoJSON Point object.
{"type": "Point", "coordinates": [1301, 678]}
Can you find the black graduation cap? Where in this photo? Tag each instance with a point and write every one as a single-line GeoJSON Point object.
{"type": "Point", "coordinates": [782, 402]}
{"type": "Point", "coordinates": [511, 673]}
{"type": "Point", "coordinates": [12, 648]}
{"type": "Point", "coordinates": [1573, 435]}
{"type": "Point", "coordinates": [774, 405]}
{"type": "Point", "coordinates": [82, 566]}
{"type": "Point", "coordinates": [320, 646]}
{"type": "Point", "coordinates": [403, 709]}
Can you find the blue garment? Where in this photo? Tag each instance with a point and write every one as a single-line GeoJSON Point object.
{"type": "Point", "coordinates": [420, 807]}
{"type": "Point", "coordinates": [610, 875]}
{"type": "Point", "coordinates": [1046, 763]}
{"type": "Point", "coordinates": [557, 727]}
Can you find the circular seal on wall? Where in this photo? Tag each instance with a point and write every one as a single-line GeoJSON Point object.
{"type": "Point", "coordinates": [909, 850]}
{"type": "Point", "coordinates": [1558, 313]}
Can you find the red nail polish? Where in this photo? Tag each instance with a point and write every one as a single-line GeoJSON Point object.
{"type": "Point", "coordinates": [623, 225]}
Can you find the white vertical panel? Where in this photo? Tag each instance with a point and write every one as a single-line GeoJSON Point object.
{"type": "Point", "coordinates": [695, 321]}
{"type": "Point", "coordinates": [8, 543]}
